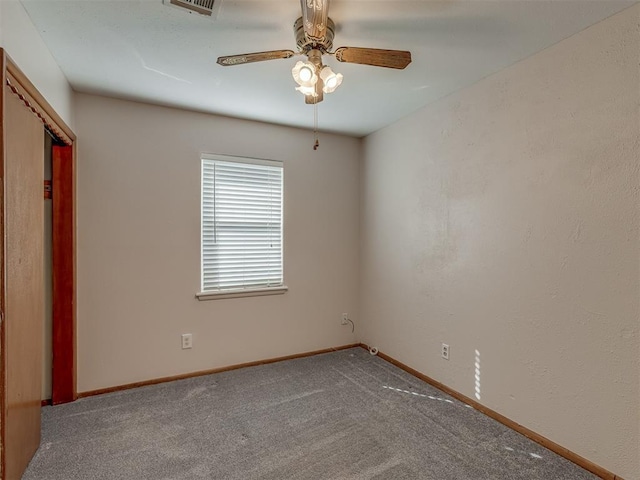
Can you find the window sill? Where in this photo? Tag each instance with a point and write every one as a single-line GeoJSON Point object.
{"type": "Point", "coordinates": [253, 292]}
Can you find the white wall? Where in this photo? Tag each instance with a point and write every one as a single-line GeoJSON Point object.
{"type": "Point", "coordinates": [505, 219]}
{"type": "Point", "coordinates": [22, 42]}
{"type": "Point", "coordinates": [138, 244]}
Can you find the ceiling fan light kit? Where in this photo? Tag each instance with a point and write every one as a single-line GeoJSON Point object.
{"type": "Point", "coordinates": [312, 77]}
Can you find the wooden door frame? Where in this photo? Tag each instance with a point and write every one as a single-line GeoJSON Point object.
{"type": "Point", "coordinates": [64, 240]}
{"type": "Point", "coordinates": [3, 345]}
{"type": "Point", "coordinates": [64, 281]}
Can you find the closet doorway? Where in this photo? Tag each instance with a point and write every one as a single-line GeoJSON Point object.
{"type": "Point", "coordinates": [25, 117]}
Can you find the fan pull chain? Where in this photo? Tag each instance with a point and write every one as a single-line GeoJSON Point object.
{"type": "Point", "coordinates": [315, 125]}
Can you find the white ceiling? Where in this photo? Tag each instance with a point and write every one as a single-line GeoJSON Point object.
{"type": "Point", "coordinates": [144, 50]}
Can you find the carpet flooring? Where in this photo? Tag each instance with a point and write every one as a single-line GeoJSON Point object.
{"type": "Point", "coordinates": [341, 415]}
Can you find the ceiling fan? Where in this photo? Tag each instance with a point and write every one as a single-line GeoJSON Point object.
{"type": "Point", "coordinates": [314, 33]}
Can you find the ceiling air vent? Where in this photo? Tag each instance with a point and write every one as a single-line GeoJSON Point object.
{"type": "Point", "coordinates": [203, 7]}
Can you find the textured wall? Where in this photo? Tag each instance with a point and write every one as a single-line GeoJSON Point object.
{"type": "Point", "coordinates": [504, 219]}
{"type": "Point", "coordinates": [23, 43]}
{"type": "Point", "coordinates": [139, 244]}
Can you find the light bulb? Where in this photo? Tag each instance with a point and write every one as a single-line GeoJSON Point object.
{"type": "Point", "coordinates": [305, 74]}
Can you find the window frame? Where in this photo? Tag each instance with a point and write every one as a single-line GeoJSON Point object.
{"type": "Point", "coordinates": [242, 291]}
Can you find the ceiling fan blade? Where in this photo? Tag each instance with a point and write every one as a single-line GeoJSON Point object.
{"type": "Point", "coordinates": [314, 17]}
{"type": "Point", "coordinates": [374, 56]}
{"type": "Point", "coordinates": [254, 57]}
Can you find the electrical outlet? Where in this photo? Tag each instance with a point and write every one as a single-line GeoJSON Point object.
{"type": "Point", "coordinates": [445, 351]}
{"type": "Point", "coordinates": [345, 319]}
{"type": "Point", "coordinates": [187, 341]}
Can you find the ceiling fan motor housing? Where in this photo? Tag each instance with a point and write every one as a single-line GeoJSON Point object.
{"type": "Point", "coordinates": [305, 44]}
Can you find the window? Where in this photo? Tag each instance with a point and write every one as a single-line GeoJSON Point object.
{"type": "Point", "coordinates": [241, 227]}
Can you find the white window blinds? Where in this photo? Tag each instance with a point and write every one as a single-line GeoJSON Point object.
{"type": "Point", "coordinates": [241, 224]}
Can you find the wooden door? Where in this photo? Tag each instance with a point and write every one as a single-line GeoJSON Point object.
{"type": "Point", "coordinates": [23, 288]}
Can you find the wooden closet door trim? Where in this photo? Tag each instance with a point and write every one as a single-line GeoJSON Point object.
{"type": "Point", "coordinates": [3, 350]}
{"type": "Point", "coordinates": [27, 92]}
{"type": "Point", "coordinates": [64, 281]}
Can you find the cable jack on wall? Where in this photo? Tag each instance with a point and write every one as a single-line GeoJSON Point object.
{"type": "Point", "coordinates": [346, 320]}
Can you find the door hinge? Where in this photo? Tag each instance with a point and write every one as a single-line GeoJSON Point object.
{"type": "Point", "coordinates": [48, 189]}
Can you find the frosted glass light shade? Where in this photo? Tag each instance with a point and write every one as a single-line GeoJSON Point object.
{"type": "Point", "coordinates": [330, 79]}
{"type": "Point", "coordinates": [307, 90]}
